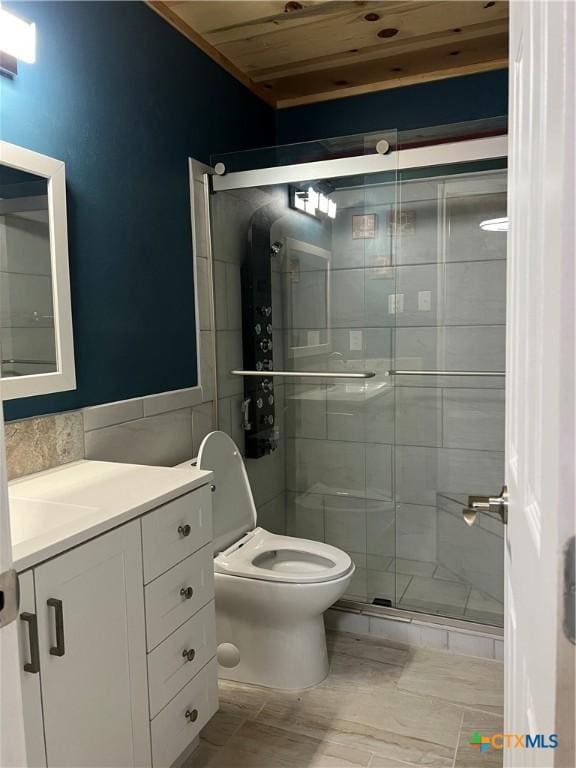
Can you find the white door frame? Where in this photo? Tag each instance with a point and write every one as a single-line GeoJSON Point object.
{"type": "Point", "coordinates": [539, 658]}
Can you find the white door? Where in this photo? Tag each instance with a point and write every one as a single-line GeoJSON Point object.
{"type": "Point", "coordinates": [91, 631]}
{"type": "Point", "coordinates": [540, 378]}
{"type": "Point", "coordinates": [12, 744]}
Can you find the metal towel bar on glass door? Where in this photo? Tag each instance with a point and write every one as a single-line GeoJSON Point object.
{"type": "Point", "coordinates": [445, 373]}
{"type": "Point", "coordinates": [308, 374]}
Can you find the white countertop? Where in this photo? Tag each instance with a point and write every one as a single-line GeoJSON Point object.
{"type": "Point", "coordinates": [55, 510]}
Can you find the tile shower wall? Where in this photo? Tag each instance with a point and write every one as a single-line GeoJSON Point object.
{"type": "Point", "coordinates": [367, 464]}
{"type": "Point", "coordinates": [231, 215]}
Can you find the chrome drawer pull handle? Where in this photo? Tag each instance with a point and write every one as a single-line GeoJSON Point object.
{"type": "Point", "coordinates": [213, 488]}
{"type": "Point", "coordinates": [191, 715]}
{"type": "Point", "coordinates": [186, 592]}
{"type": "Point", "coordinates": [184, 530]}
{"type": "Point", "coordinates": [188, 655]}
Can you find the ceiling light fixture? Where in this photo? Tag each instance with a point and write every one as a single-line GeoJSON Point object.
{"type": "Point", "coordinates": [495, 225]}
{"type": "Point", "coordinates": [312, 202]}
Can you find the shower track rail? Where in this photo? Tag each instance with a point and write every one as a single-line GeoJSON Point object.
{"type": "Point", "coordinates": [307, 374]}
{"type": "Point", "coordinates": [469, 150]}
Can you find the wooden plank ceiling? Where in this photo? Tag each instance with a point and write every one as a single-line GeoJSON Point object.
{"type": "Point", "coordinates": [293, 53]}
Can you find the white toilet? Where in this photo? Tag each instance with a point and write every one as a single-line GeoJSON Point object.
{"type": "Point", "coordinates": [271, 591]}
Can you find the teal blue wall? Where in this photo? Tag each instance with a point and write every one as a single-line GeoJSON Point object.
{"type": "Point", "coordinates": [124, 100]}
{"type": "Point", "coordinates": [457, 100]}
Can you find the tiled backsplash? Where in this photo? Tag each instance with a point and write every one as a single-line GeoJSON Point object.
{"type": "Point", "coordinates": [161, 430]}
{"type": "Point", "coordinates": [36, 444]}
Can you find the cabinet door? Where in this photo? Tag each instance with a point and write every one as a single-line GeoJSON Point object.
{"type": "Point", "coordinates": [30, 674]}
{"type": "Point", "coordinates": [90, 607]}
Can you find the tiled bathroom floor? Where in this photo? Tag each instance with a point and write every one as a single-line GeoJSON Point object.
{"type": "Point", "coordinates": [383, 705]}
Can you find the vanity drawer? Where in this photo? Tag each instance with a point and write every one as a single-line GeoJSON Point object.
{"type": "Point", "coordinates": [175, 661]}
{"type": "Point", "coordinates": [175, 530]}
{"type": "Point", "coordinates": [167, 606]}
{"type": "Point", "coordinates": [173, 728]}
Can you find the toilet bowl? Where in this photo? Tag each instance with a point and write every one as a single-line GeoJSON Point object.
{"type": "Point", "coordinates": [271, 590]}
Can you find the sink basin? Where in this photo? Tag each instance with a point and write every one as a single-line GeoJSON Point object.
{"type": "Point", "coordinates": [31, 517]}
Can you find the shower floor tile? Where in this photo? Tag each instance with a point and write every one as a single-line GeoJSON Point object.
{"type": "Point", "coordinates": [412, 567]}
{"type": "Point", "coordinates": [424, 587]}
{"type": "Point", "coordinates": [485, 617]}
{"type": "Point", "coordinates": [484, 609]}
{"type": "Point", "coordinates": [383, 705]}
{"type": "Point", "coordinates": [478, 601]}
{"type": "Point", "coordinates": [387, 584]}
{"type": "Point", "coordinates": [445, 575]}
{"type": "Point", "coordinates": [435, 595]}
{"type": "Point", "coordinates": [378, 562]}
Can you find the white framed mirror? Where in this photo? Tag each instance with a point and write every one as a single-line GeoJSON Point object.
{"type": "Point", "coordinates": [36, 340]}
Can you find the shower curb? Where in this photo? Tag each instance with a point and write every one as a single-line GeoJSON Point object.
{"type": "Point", "coordinates": [486, 643]}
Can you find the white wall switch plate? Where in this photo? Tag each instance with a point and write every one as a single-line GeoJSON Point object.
{"type": "Point", "coordinates": [355, 341]}
{"type": "Point", "coordinates": [395, 303]}
{"type": "Point", "coordinates": [424, 301]}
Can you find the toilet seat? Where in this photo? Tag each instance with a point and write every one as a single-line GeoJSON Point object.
{"type": "Point", "coordinates": [270, 557]}
{"type": "Point", "coordinates": [241, 548]}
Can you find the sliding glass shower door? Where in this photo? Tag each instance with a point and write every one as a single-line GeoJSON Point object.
{"type": "Point", "coordinates": [451, 288]}
{"type": "Point", "coordinates": [340, 432]}
{"type": "Point", "coordinates": [400, 276]}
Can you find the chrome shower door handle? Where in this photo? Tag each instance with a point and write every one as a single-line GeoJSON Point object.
{"type": "Point", "coordinates": [489, 505]}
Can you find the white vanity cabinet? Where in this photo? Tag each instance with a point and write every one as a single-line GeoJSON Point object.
{"type": "Point", "coordinates": [92, 653]}
{"type": "Point", "coordinates": [118, 667]}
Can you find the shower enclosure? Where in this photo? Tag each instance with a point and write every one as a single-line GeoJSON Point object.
{"type": "Point", "coordinates": [360, 313]}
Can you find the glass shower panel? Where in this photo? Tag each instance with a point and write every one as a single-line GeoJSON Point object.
{"type": "Point", "coordinates": [330, 475]}
{"type": "Point", "coordinates": [451, 314]}
{"type": "Point", "coordinates": [340, 432]}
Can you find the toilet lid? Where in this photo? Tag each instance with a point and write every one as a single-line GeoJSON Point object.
{"type": "Point", "coordinates": [233, 509]}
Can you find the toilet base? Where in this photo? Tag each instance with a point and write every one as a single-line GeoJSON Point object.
{"type": "Point", "coordinates": [286, 656]}
{"type": "Point", "coordinates": [271, 633]}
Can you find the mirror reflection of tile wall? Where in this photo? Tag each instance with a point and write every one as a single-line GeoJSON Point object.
{"type": "Point", "coordinates": [27, 342]}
